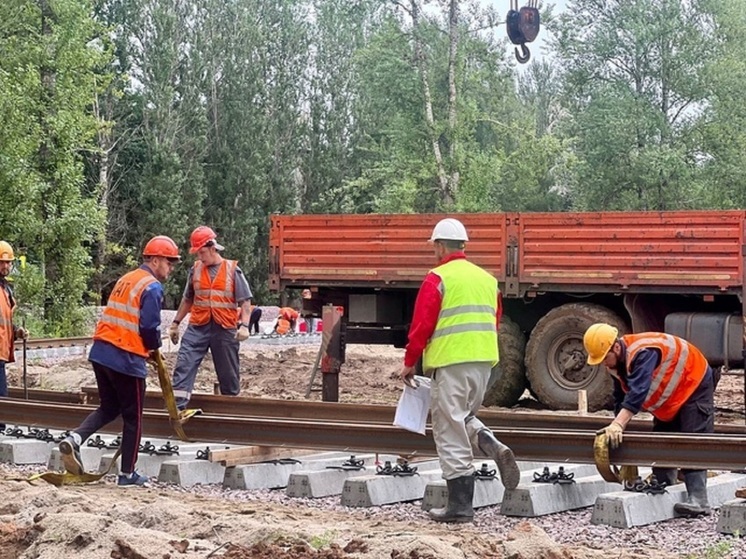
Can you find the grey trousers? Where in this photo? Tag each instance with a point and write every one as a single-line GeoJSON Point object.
{"type": "Point", "coordinates": [456, 394]}
{"type": "Point", "coordinates": [196, 341]}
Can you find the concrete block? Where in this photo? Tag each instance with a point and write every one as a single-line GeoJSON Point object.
{"type": "Point", "coordinates": [490, 492]}
{"type": "Point", "coordinates": [376, 490]}
{"type": "Point", "coordinates": [271, 475]}
{"type": "Point", "coordinates": [25, 451]}
{"type": "Point", "coordinates": [732, 519]}
{"type": "Point", "coordinates": [625, 509]}
{"type": "Point", "coordinates": [189, 472]}
{"type": "Point", "coordinates": [322, 483]}
{"type": "Point", "coordinates": [91, 457]}
{"type": "Point", "coordinates": [150, 465]}
{"type": "Point", "coordinates": [538, 499]}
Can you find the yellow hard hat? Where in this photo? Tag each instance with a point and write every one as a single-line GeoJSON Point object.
{"type": "Point", "coordinates": [598, 340]}
{"type": "Point", "coordinates": [6, 252]}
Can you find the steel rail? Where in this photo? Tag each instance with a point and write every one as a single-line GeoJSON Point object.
{"type": "Point", "coordinates": [723, 452]}
{"type": "Point", "coordinates": [352, 413]}
{"type": "Point", "coordinates": [49, 343]}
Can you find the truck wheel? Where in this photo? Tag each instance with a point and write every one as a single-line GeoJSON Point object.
{"type": "Point", "coordinates": [508, 378]}
{"type": "Point", "coordinates": [556, 361]}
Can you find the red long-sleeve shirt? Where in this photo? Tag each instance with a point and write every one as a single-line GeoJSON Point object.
{"type": "Point", "coordinates": [426, 312]}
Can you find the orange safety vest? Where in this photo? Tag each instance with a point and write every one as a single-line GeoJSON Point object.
{"type": "Point", "coordinates": [289, 313]}
{"type": "Point", "coordinates": [214, 299]}
{"type": "Point", "coordinates": [283, 326]}
{"type": "Point", "coordinates": [7, 335]}
{"type": "Point", "coordinates": [120, 323]}
{"type": "Point", "coordinates": [681, 370]}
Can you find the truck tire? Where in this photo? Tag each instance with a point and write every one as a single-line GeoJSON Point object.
{"type": "Point", "coordinates": [508, 379]}
{"type": "Point", "coordinates": [556, 361]}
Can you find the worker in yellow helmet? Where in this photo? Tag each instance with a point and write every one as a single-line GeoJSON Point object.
{"type": "Point", "coordinates": [8, 332]}
{"type": "Point", "coordinates": [668, 377]}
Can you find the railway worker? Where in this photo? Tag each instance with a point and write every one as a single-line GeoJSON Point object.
{"type": "Point", "coordinates": [219, 298]}
{"type": "Point", "coordinates": [668, 377]}
{"type": "Point", "coordinates": [286, 320]}
{"type": "Point", "coordinates": [8, 332]}
{"type": "Point", "coordinates": [255, 315]}
{"type": "Point", "coordinates": [128, 332]}
{"type": "Point", "coordinates": [454, 330]}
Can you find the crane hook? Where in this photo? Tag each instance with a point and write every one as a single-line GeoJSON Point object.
{"type": "Point", "coordinates": [524, 55]}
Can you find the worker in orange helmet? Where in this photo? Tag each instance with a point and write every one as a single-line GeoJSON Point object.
{"type": "Point", "coordinates": [219, 298]}
{"type": "Point", "coordinates": [127, 334]}
{"type": "Point", "coordinates": [8, 332]}
{"type": "Point", "coordinates": [286, 320]}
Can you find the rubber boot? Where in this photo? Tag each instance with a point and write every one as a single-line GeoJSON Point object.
{"type": "Point", "coordinates": [669, 475]}
{"type": "Point", "coordinates": [510, 474]}
{"type": "Point", "coordinates": [460, 498]}
{"type": "Point", "coordinates": [696, 500]}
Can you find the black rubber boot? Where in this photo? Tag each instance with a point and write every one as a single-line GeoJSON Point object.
{"type": "Point", "coordinates": [510, 474]}
{"type": "Point", "coordinates": [669, 475]}
{"type": "Point", "coordinates": [460, 498]}
{"type": "Point", "coordinates": [696, 500]}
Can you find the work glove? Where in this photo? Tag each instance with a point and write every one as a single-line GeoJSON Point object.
{"type": "Point", "coordinates": [614, 433]}
{"type": "Point", "coordinates": [173, 333]}
{"type": "Point", "coordinates": [242, 333]}
{"type": "Point", "coordinates": [20, 333]}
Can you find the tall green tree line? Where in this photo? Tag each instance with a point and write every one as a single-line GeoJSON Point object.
{"type": "Point", "coordinates": [122, 119]}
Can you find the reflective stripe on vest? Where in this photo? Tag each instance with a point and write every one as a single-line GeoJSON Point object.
{"type": "Point", "coordinates": [120, 322]}
{"type": "Point", "coordinates": [6, 326]}
{"type": "Point", "coordinates": [678, 375]}
{"type": "Point", "coordinates": [214, 298]}
{"type": "Point", "coordinates": [465, 331]}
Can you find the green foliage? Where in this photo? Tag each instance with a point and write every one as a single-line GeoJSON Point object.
{"type": "Point", "coordinates": [47, 78]}
{"type": "Point", "coordinates": [635, 77]}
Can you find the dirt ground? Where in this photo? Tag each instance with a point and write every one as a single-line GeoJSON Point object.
{"type": "Point", "coordinates": [161, 522]}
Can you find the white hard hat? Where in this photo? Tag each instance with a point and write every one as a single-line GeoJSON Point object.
{"type": "Point", "coordinates": [449, 229]}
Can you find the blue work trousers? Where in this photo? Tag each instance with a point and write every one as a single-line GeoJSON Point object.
{"type": "Point", "coordinates": [223, 347]}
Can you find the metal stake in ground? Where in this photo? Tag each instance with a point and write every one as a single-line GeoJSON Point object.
{"type": "Point", "coordinates": [25, 370]}
{"type": "Point", "coordinates": [331, 362]}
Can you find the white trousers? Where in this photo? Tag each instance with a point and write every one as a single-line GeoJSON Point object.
{"type": "Point", "coordinates": [456, 394]}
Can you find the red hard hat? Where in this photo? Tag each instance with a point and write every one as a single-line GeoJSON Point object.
{"type": "Point", "coordinates": [200, 237]}
{"type": "Point", "coordinates": [162, 246]}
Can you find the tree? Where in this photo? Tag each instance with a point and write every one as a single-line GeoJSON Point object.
{"type": "Point", "coordinates": [635, 83]}
{"type": "Point", "coordinates": [47, 69]}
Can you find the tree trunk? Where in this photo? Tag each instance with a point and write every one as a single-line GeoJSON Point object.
{"type": "Point", "coordinates": [445, 193]}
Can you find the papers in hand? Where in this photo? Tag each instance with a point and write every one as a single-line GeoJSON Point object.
{"type": "Point", "coordinates": [414, 404]}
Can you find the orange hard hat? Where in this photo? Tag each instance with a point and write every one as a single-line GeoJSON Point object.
{"type": "Point", "coordinates": [162, 246]}
{"type": "Point", "coordinates": [200, 237]}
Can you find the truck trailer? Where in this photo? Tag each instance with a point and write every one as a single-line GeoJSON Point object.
{"type": "Point", "coordinates": [677, 272]}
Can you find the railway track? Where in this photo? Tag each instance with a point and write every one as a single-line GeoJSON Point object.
{"type": "Point", "coordinates": [52, 343]}
{"type": "Point", "coordinates": [326, 426]}
{"type": "Point", "coordinates": [350, 413]}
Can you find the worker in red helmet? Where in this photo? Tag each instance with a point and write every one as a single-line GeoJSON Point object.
{"type": "Point", "coordinates": [127, 334]}
{"type": "Point", "coordinates": [8, 332]}
{"type": "Point", "coordinates": [218, 297]}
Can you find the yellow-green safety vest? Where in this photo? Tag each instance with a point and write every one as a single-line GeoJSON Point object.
{"type": "Point", "coordinates": [465, 331]}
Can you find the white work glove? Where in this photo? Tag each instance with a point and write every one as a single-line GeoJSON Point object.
{"type": "Point", "coordinates": [173, 332]}
{"type": "Point", "coordinates": [242, 333]}
{"type": "Point", "coordinates": [20, 333]}
{"type": "Point", "coordinates": [614, 434]}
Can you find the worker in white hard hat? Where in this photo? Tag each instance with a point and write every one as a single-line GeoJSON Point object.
{"type": "Point", "coordinates": [454, 330]}
{"type": "Point", "coordinates": [8, 332]}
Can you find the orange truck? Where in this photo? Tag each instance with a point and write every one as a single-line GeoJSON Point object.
{"type": "Point", "coordinates": [678, 272]}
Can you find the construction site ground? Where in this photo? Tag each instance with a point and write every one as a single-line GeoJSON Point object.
{"type": "Point", "coordinates": [101, 520]}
